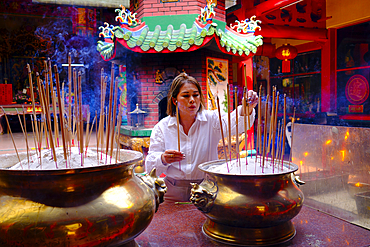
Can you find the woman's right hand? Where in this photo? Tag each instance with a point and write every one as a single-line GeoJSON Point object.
{"type": "Point", "coordinates": [171, 156]}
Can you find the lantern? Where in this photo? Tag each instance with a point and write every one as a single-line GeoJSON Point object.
{"type": "Point", "coordinates": [286, 53]}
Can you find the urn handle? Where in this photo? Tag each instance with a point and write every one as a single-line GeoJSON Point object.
{"type": "Point", "coordinates": [203, 195]}
{"type": "Point", "coordinates": [157, 185]}
{"type": "Point", "coordinates": [297, 180]}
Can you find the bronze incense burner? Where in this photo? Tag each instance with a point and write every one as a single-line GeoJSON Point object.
{"type": "Point", "coordinates": [253, 210]}
{"type": "Point", "coordinates": [97, 206]}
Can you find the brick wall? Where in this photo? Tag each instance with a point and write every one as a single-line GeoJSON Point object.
{"type": "Point", "coordinates": [182, 7]}
{"type": "Point", "coordinates": [149, 93]}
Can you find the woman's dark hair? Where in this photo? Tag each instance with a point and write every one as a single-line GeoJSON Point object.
{"type": "Point", "coordinates": [177, 83]}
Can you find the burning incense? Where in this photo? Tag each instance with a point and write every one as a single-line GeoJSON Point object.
{"type": "Point", "coordinates": [61, 116]}
{"type": "Point", "coordinates": [114, 115]}
{"type": "Point", "coordinates": [275, 125]}
{"type": "Point", "coordinates": [265, 132]}
{"type": "Point", "coordinates": [75, 108]}
{"type": "Point", "coordinates": [56, 126]}
{"type": "Point", "coordinates": [25, 130]}
{"type": "Point", "coordinates": [291, 144]}
{"type": "Point", "coordinates": [80, 117]}
{"type": "Point", "coordinates": [110, 110]}
{"type": "Point", "coordinates": [229, 120]}
{"type": "Point", "coordinates": [245, 103]}
{"type": "Point", "coordinates": [89, 133]}
{"type": "Point", "coordinates": [87, 129]}
{"type": "Point", "coordinates": [118, 131]}
{"type": "Point", "coordinates": [48, 120]}
{"type": "Point", "coordinates": [283, 137]}
{"type": "Point", "coordinates": [272, 117]}
{"type": "Point", "coordinates": [47, 83]}
{"type": "Point", "coordinates": [259, 130]}
{"type": "Point", "coordinates": [222, 132]}
{"type": "Point", "coordinates": [69, 91]}
{"type": "Point", "coordinates": [178, 131]}
{"type": "Point", "coordinates": [33, 102]}
{"type": "Point", "coordinates": [236, 126]}
{"type": "Point", "coordinates": [11, 134]}
{"type": "Point", "coordinates": [42, 103]}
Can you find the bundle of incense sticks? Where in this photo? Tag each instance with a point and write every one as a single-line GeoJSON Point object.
{"type": "Point", "coordinates": [273, 144]}
{"type": "Point", "coordinates": [71, 125]}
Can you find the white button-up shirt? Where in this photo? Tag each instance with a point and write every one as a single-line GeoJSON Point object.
{"type": "Point", "coordinates": [199, 145]}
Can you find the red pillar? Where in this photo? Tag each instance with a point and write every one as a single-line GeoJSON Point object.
{"type": "Point", "coordinates": [328, 73]}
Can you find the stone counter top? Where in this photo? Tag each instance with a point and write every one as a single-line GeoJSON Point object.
{"type": "Point", "coordinates": [180, 225]}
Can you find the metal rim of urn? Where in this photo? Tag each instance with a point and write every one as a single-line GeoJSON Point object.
{"type": "Point", "coordinates": [94, 206]}
{"type": "Point", "coordinates": [248, 210]}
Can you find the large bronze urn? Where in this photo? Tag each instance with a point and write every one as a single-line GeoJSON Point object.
{"type": "Point", "coordinates": [98, 206]}
{"type": "Point", "coordinates": [252, 210]}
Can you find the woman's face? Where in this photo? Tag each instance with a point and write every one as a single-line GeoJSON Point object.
{"type": "Point", "coordinates": [188, 100]}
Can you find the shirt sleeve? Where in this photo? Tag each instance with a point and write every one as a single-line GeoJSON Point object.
{"type": "Point", "coordinates": [156, 149]}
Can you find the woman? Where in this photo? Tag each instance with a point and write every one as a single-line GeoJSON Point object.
{"type": "Point", "coordinates": [199, 136]}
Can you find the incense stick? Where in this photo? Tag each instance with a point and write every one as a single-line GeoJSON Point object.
{"type": "Point", "coordinates": [178, 131]}
{"type": "Point", "coordinates": [114, 115]}
{"type": "Point", "coordinates": [87, 130]}
{"type": "Point", "coordinates": [89, 133]}
{"type": "Point", "coordinates": [284, 123]}
{"type": "Point", "coordinates": [75, 108]}
{"type": "Point", "coordinates": [222, 132]}
{"type": "Point", "coordinates": [61, 117]}
{"type": "Point", "coordinates": [274, 129]}
{"type": "Point", "coordinates": [118, 131]}
{"type": "Point", "coordinates": [26, 137]}
{"type": "Point", "coordinates": [110, 110]}
{"type": "Point", "coordinates": [272, 117]}
{"type": "Point", "coordinates": [259, 127]}
{"type": "Point", "coordinates": [56, 126]}
{"type": "Point", "coordinates": [42, 95]}
{"type": "Point", "coordinates": [291, 143]}
{"type": "Point", "coordinates": [265, 133]}
{"type": "Point", "coordinates": [80, 118]}
{"type": "Point", "coordinates": [236, 127]}
{"type": "Point", "coordinates": [69, 91]}
{"type": "Point", "coordinates": [245, 103]}
{"type": "Point", "coordinates": [11, 134]}
{"type": "Point", "coordinates": [33, 102]}
{"type": "Point", "coordinates": [229, 120]}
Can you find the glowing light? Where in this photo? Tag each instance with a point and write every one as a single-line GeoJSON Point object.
{"type": "Point", "coordinates": [69, 189]}
{"type": "Point", "coordinates": [301, 162]}
{"type": "Point", "coordinates": [342, 152]}
{"type": "Point", "coordinates": [346, 136]}
{"type": "Point", "coordinates": [328, 142]}
{"type": "Point", "coordinates": [305, 154]}
{"type": "Point", "coordinates": [37, 109]}
{"type": "Point", "coordinates": [332, 158]}
{"type": "Point", "coordinates": [261, 208]}
{"type": "Point", "coordinates": [358, 184]}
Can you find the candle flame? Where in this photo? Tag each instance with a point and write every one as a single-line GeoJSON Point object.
{"type": "Point", "coordinates": [358, 184]}
{"type": "Point", "coordinates": [328, 142]}
{"type": "Point", "coordinates": [305, 154]}
{"type": "Point", "coordinates": [332, 158]}
{"type": "Point", "coordinates": [301, 162]}
{"type": "Point", "coordinates": [342, 152]}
